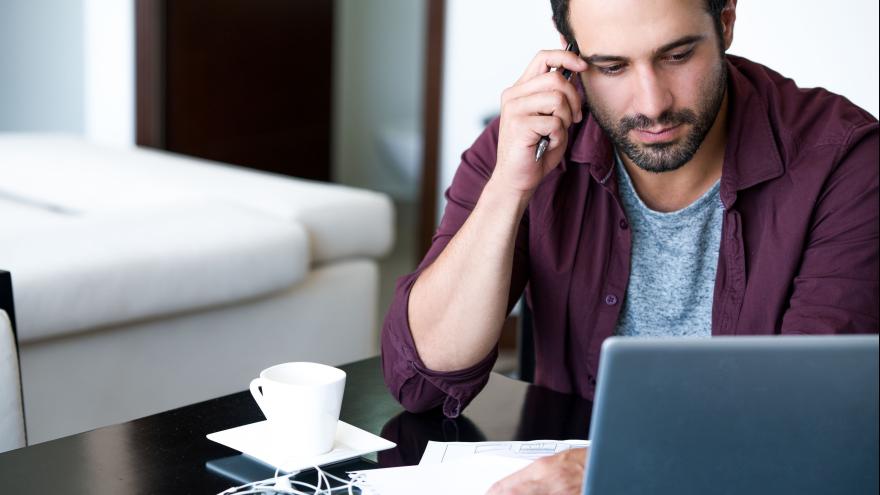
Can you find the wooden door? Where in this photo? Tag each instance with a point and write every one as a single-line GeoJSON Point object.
{"type": "Point", "coordinates": [247, 82]}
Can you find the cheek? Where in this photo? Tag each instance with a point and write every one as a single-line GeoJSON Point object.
{"type": "Point", "coordinates": [689, 83]}
{"type": "Point", "coordinates": [606, 95]}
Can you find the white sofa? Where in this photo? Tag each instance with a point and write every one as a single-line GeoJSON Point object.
{"type": "Point", "coordinates": [11, 417]}
{"type": "Point", "coordinates": [145, 280]}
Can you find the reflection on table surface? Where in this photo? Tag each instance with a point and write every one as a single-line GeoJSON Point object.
{"type": "Point", "coordinates": [505, 410]}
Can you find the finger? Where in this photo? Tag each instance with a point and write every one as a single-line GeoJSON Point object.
{"type": "Point", "coordinates": [529, 130]}
{"type": "Point", "coordinates": [543, 104]}
{"type": "Point", "coordinates": [550, 102]}
{"type": "Point", "coordinates": [558, 139]}
{"type": "Point", "coordinates": [547, 82]}
{"type": "Point", "coordinates": [546, 60]}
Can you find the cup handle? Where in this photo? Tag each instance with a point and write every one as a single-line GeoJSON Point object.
{"type": "Point", "coordinates": [256, 385]}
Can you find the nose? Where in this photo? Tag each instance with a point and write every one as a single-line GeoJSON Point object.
{"type": "Point", "coordinates": [652, 94]}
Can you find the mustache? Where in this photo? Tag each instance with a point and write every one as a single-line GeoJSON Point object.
{"type": "Point", "coordinates": [669, 118]}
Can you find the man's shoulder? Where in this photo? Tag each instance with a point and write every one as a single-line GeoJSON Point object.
{"type": "Point", "coordinates": [804, 118]}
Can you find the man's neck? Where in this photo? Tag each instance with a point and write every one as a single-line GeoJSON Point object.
{"type": "Point", "coordinates": [672, 191]}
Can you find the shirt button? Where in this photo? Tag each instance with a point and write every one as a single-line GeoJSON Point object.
{"type": "Point", "coordinates": [611, 299]}
{"type": "Point", "coordinates": [624, 225]}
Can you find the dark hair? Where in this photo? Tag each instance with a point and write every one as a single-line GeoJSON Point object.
{"type": "Point", "coordinates": [560, 16]}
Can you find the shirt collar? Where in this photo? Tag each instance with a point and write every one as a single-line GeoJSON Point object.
{"type": "Point", "coordinates": [751, 156]}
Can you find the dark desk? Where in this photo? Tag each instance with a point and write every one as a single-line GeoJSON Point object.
{"type": "Point", "coordinates": [168, 452]}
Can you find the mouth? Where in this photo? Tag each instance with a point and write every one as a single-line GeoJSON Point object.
{"type": "Point", "coordinates": [657, 135]}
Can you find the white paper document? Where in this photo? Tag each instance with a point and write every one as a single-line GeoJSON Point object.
{"type": "Point", "coordinates": [439, 452]}
{"type": "Point", "coordinates": [462, 468]}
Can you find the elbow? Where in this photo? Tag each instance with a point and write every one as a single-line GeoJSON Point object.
{"type": "Point", "coordinates": [409, 388]}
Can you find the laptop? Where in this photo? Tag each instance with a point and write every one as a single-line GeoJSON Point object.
{"type": "Point", "coordinates": [737, 415]}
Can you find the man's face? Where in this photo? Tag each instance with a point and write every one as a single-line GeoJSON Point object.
{"type": "Point", "coordinates": [657, 75]}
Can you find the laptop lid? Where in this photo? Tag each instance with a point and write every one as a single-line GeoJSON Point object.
{"type": "Point", "coordinates": [736, 415]}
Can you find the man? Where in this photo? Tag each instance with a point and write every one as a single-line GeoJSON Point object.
{"type": "Point", "coordinates": [684, 192]}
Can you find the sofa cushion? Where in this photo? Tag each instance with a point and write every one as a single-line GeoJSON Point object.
{"type": "Point", "coordinates": [72, 174]}
{"type": "Point", "coordinates": [74, 271]}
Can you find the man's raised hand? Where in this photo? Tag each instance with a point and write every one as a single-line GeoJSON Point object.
{"type": "Point", "coordinates": [541, 103]}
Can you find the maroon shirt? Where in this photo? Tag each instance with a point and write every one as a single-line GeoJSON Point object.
{"type": "Point", "coordinates": [798, 254]}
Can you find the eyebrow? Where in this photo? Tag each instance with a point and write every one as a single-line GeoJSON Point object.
{"type": "Point", "coordinates": [684, 40]}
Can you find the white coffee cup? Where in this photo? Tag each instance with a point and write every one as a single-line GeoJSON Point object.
{"type": "Point", "coordinates": [301, 401]}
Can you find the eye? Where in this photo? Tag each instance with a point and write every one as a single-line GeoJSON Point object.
{"type": "Point", "coordinates": [680, 57]}
{"type": "Point", "coordinates": [611, 70]}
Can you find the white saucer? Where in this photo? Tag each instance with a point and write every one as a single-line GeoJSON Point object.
{"type": "Point", "coordinates": [258, 441]}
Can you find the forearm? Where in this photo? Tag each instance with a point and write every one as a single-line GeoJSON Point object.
{"type": "Point", "coordinates": [458, 305]}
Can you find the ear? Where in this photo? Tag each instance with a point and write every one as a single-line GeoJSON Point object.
{"type": "Point", "coordinates": [728, 19]}
{"type": "Point", "coordinates": [562, 41]}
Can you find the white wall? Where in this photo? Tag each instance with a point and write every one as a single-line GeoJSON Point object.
{"type": "Point", "coordinates": [68, 66]}
{"type": "Point", "coordinates": [489, 43]}
{"type": "Point", "coordinates": [41, 65]}
{"type": "Point", "coordinates": [815, 42]}
{"type": "Point", "coordinates": [109, 92]}
{"type": "Point", "coordinates": [377, 96]}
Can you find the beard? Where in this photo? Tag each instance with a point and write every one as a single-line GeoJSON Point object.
{"type": "Point", "coordinates": [668, 156]}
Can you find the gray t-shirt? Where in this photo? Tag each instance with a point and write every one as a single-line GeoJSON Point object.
{"type": "Point", "coordinates": [672, 270]}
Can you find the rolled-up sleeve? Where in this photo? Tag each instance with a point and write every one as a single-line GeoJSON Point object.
{"type": "Point", "coordinates": [415, 386]}
{"type": "Point", "coordinates": [836, 289]}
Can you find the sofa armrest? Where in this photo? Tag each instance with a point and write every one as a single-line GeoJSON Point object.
{"type": "Point", "coordinates": [12, 429]}
{"type": "Point", "coordinates": [6, 301]}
